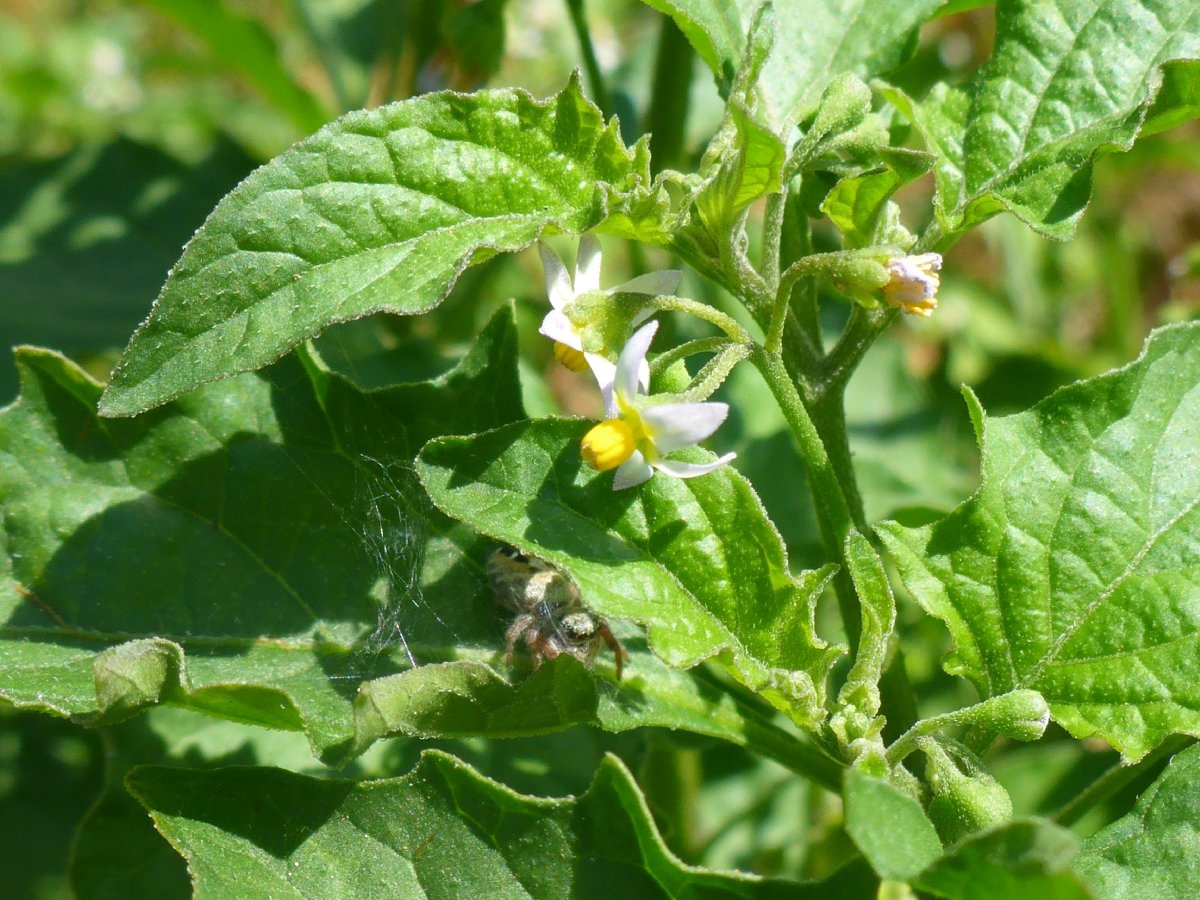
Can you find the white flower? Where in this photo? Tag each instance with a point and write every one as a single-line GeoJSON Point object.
{"type": "Point", "coordinates": [565, 292]}
{"type": "Point", "coordinates": [638, 434]}
{"type": "Point", "coordinates": [914, 283]}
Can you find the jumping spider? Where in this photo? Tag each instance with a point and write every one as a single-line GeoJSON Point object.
{"type": "Point", "coordinates": [551, 618]}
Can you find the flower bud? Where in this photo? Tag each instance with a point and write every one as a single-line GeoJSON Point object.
{"type": "Point", "coordinates": [962, 804]}
{"type": "Point", "coordinates": [913, 283]}
{"type": "Point", "coordinates": [1021, 715]}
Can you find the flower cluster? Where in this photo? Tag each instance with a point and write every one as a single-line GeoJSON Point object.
{"type": "Point", "coordinates": [586, 323]}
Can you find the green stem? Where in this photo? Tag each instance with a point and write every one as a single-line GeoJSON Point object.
{"type": "Point", "coordinates": [772, 237]}
{"type": "Point", "coordinates": [714, 373]}
{"type": "Point", "coordinates": [797, 245]}
{"type": "Point", "coordinates": [805, 754]}
{"type": "Point", "coordinates": [824, 477]}
{"type": "Point", "coordinates": [668, 113]}
{"type": "Point", "coordinates": [590, 64]}
{"type": "Point", "coordinates": [668, 358]}
{"type": "Point", "coordinates": [726, 323]}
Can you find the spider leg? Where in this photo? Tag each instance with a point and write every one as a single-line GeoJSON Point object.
{"type": "Point", "coordinates": [619, 652]}
{"type": "Point", "coordinates": [519, 626]}
{"type": "Point", "coordinates": [542, 646]}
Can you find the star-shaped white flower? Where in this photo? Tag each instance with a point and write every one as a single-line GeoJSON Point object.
{"type": "Point", "coordinates": [638, 434]}
{"type": "Point", "coordinates": [564, 291]}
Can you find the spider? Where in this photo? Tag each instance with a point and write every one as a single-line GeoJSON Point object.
{"type": "Point", "coordinates": [551, 618]}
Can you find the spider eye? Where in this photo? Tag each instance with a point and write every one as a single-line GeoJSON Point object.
{"type": "Point", "coordinates": [514, 554]}
{"type": "Point", "coordinates": [579, 627]}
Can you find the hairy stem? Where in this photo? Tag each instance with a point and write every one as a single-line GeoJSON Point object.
{"type": "Point", "coordinates": [825, 478]}
{"type": "Point", "coordinates": [669, 100]}
{"type": "Point", "coordinates": [590, 64]}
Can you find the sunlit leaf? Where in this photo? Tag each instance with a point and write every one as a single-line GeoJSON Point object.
{"type": "Point", "coordinates": [696, 561]}
{"type": "Point", "coordinates": [814, 42]}
{"type": "Point", "coordinates": [254, 551]}
{"type": "Point", "coordinates": [1073, 570]}
{"type": "Point", "coordinates": [380, 210]}
{"type": "Point", "coordinates": [1069, 79]}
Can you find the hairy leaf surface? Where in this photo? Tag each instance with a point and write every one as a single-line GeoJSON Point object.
{"type": "Point", "coordinates": [1069, 79]}
{"type": "Point", "coordinates": [1074, 569]}
{"type": "Point", "coordinates": [696, 561]}
{"type": "Point", "coordinates": [442, 830]}
{"type": "Point", "coordinates": [1154, 851]}
{"type": "Point", "coordinates": [236, 552]}
{"type": "Point", "coordinates": [814, 42]}
{"type": "Point", "coordinates": [380, 210]}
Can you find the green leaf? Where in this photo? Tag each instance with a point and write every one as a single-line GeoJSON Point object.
{"type": "Point", "coordinates": [1023, 859]}
{"type": "Point", "coordinates": [888, 826]}
{"type": "Point", "coordinates": [715, 30]}
{"type": "Point", "coordinates": [696, 561]}
{"type": "Point", "coordinates": [1070, 571]}
{"type": "Point", "coordinates": [247, 552]}
{"type": "Point", "coordinates": [814, 42]}
{"type": "Point", "coordinates": [444, 831]}
{"type": "Point", "coordinates": [858, 699]}
{"type": "Point", "coordinates": [857, 204]}
{"type": "Point", "coordinates": [278, 488]}
{"type": "Point", "coordinates": [1069, 79]}
{"type": "Point", "coordinates": [380, 210]}
{"type": "Point", "coordinates": [744, 161]}
{"type": "Point", "coordinates": [1152, 851]}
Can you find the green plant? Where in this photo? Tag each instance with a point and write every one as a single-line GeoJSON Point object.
{"type": "Point", "coordinates": [236, 528]}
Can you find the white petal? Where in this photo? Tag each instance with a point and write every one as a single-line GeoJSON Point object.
{"type": "Point", "coordinates": [558, 327]}
{"type": "Point", "coordinates": [558, 282]}
{"type": "Point", "coordinates": [663, 281]}
{"type": "Point", "coordinates": [690, 470]}
{"type": "Point", "coordinates": [605, 373]}
{"type": "Point", "coordinates": [587, 265]}
{"type": "Point", "coordinates": [676, 425]}
{"type": "Point", "coordinates": [632, 472]}
{"type": "Point", "coordinates": [633, 357]}
{"type": "Point", "coordinates": [644, 376]}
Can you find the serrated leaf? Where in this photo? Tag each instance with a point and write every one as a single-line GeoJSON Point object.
{"type": "Point", "coordinates": [1023, 859]}
{"type": "Point", "coordinates": [444, 831]}
{"type": "Point", "coordinates": [217, 554]}
{"type": "Point", "coordinates": [889, 827]}
{"type": "Point", "coordinates": [1068, 80]}
{"type": "Point", "coordinates": [380, 210]}
{"type": "Point", "coordinates": [1072, 571]}
{"type": "Point", "coordinates": [696, 561]}
{"type": "Point", "coordinates": [814, 42]}
{"type": "Point", "coordinates": [1153, 851]}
